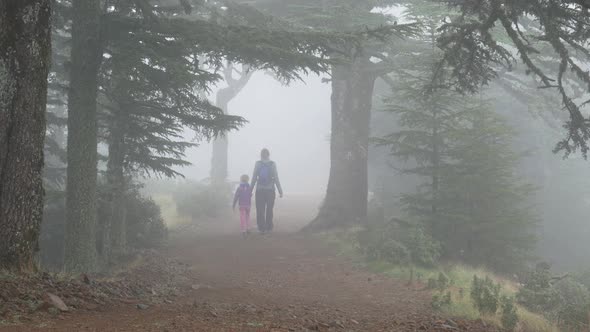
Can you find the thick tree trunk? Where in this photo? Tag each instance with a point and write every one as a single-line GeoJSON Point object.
{"type": "Point", "coordinates": [219, 158]}
{"type": "Point", "coordinates": [80, 246]}
{"type": "Point", "coordinates": [25, 48]}
{"type": "Point", "coordinates": [346, 197]}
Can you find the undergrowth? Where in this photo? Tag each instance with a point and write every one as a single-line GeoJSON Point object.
{"type": "Point", "coordinates": [454, 299]}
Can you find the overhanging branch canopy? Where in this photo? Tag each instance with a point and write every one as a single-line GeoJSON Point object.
{"type": "Point", "coordinates": [473, 51]}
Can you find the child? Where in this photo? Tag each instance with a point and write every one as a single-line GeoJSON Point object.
{"type": "Point", "coordinates": [244, 197]}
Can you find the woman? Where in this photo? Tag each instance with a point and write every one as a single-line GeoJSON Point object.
{"type": "Point", "coordinates": [265, 178]}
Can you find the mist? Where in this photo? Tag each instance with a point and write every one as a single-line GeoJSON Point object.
{"type": "Point", "coordinates": [292, 121]}
{"type": "Point", "coordinates": [294, 165]}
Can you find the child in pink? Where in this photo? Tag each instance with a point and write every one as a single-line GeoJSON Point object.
{"type": "Point", "coordinates": [243, 196]}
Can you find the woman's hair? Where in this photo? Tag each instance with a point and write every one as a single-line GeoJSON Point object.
{"type": "Point", "coordinates": [244, 178]}
{"type": "Point", "coordinates": [265, 154]}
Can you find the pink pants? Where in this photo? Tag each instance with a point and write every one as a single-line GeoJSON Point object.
{"type": "Point", "coordinates": [244, 218]}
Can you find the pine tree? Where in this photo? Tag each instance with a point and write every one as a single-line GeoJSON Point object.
{"type": "Point", "coordinates": [80, 241]}
{"type": "Point", "coordinates": [470, 199]}
{"type": "Point", "coordinates": [25, 44]}
{"type": "Point", "coordinates": [425, 117]}
{"type": "Point", "coordinates": [490, 216]}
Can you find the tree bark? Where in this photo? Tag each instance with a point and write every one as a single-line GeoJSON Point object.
{"type": "Point", "coordinates": [346, 196]}
{"type": "Point", "coordinates": [219, 158]}
{"type": "Point", "coordinates": [81, 198]}
{"type": "Point", "coordinates": [25, 52]}
{"type": "Point", "coordinates": [115, 241]}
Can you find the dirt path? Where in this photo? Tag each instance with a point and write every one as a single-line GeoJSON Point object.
{"type": "Point", "coordinates": [281, 282]}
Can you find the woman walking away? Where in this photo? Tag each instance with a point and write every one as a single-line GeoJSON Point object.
{"type": "Point", "coordinates": [243, 196]}
{"type": "Point", "coordinates": [265, 179]}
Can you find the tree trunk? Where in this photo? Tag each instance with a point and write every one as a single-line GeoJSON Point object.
{"type": "Point", "coordinates": [115, 240]}
{"type": "Point", "coordinates": [219, 158]}
{"type": "Point", "coordinates": [346, 197]}
{"type": "Point", "coordinates": [80, 246]}
{"type": "Point", "coordinates": [114, 230]}
{"type": "Point", "coordinates": [25, 49]}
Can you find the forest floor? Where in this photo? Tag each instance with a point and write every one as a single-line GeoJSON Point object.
{"type": "Point", "coordinates": [278, 282]}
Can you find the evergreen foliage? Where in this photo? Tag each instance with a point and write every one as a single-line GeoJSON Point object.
{"type": "Point", "coordinates": [470, 199]}
{"type": "Point", "coordinates": [474, 51]}
{"type": "Point", "coordinates": [509, 314]}
{"type": "Point", "coordinates": [564, 299]}
{"type": "Point", "coordinates": [485, 294]}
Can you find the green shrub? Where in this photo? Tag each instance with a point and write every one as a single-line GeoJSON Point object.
{"type": "Point", "coordinates": [440, 300]}
{"type": "Point", "coordinates": [398, 242]}
{"type": "Point", "coordinates": [574, 304]}
{"type": "Point", "coordinates": [485, 295]}
{"type": "Point", "coordinates": [509, 315]}
{"type": "Point", "coordinates": [563, 300]}
{"type": "Point", "coordinates": [432, 283]}
{"type": "Point", "coordinates": [440, 283]}
{"type": "Point", "coordinates": [537, 293]}
{"type": "Point", "coordinates": [443, 281]}
{"type": "Point", "coordinates": [583, 277]}
{"type": "Point", "coordinates": [424, 250]}
{"type": "Point", "coordinates": [145, 225]}
{"type": "Point", "coordinates": [388, 250]}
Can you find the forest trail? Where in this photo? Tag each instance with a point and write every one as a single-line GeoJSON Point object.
{"type": "Point", "coordinates": [277, 282]}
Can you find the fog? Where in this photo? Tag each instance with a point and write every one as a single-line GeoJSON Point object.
{"type": "Point", "coordinates": [292, 121]}
{"type": "Point", "coordinates": [433, 169]}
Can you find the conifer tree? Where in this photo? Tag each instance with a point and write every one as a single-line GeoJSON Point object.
{"type": "Point", "coordinates": [471, 199]}
{"type": "Point", "coordinates": [86, 56]}
{"type": "Point", "coordinates": [25, 49]}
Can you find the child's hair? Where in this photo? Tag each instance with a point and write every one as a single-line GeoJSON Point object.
{"type": "Point", "coordinates": [244, 178]}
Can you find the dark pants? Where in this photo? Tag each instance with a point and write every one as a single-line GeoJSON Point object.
{"type": "Point", "coordinates": [265, 202]}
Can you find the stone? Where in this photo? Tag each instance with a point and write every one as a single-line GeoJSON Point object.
{"type": "Point", "coordinates": [56, 302]}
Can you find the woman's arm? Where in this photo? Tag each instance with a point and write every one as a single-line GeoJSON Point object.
{"type": "Point", "coordinates": [277, 181]}
{"type": "Point", "coordinates": [255, 175]}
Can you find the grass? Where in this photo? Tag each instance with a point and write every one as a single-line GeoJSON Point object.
{"type": "Point", "coordinates": [461, 277]}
